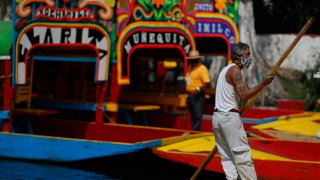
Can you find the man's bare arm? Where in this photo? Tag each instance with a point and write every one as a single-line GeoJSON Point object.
{"type": "Point", "coordinates": [239, 85]}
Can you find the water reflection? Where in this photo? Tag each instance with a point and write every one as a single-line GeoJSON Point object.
{"type": "Point", "coordinates": [12, 169]}
{"type": "Point", "coordinates": [142, 166]}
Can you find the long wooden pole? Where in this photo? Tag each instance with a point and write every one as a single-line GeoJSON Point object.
{"type": "Point", "coordinates": [251, 101]}
{"type": "Point", "coordinates": [280, 61]}
{"type": "Point", "coordinates": [204, 163]}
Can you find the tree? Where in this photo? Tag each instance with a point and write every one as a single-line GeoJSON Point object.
{"type": "Point", "coordinates": [285, 16]}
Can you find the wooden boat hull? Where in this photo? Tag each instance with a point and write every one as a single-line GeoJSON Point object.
{"type": "Point", "coordinates": [278, 160]}
{"type": "Point", "coordinates": [253, 116]}
{"type": "Point", "coordinates": [266, 169]}
{"type": "Point", "coordinates": [303, 128]}
{"type": "Point", "coordinates": [32, 147]}
{"type": "Point", "coordinates": [67, 140]}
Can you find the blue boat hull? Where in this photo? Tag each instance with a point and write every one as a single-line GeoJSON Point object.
{"type": "Point", "coordinates": [33, 147]}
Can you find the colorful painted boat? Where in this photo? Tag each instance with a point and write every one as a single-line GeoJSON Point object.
{"type": "Point", "coordinates": [273, 159]}
{"type": "Point", "coordinates": [82, 66]}
{"type": "Point", "coordinates": [304, 128]}
{"type": "Point", "coordinates": [254, 116]}
{"type": "Point", "coordinates": [67, 140]}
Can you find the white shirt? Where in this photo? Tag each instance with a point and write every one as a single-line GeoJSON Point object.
{"type": "Point", "coordinates": [226, 97]}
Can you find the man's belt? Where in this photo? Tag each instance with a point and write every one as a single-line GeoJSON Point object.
{"type": "Point", "coordinates": [231, 110]}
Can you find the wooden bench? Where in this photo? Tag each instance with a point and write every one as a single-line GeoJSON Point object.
{"type": "Point", "coordinates": [139, 107]}
{"type": "Point", "coordinates": [33, 112]}
{"type": "Point", "coordinates": [125, 108]}
{"type": "Point", "coordinates": [167, 102]}
{"type": "Point", "coordinates": [26, 115]}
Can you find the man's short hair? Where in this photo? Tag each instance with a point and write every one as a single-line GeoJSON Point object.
{"type": "Point", "coordinates": [237, 50]}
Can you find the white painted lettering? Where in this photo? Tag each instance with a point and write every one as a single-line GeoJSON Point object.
{"type": "Point", "coordinates": [168, 37]}
{"type": "Point", "coordinates": [136, 38]}
{"type": "Point", "coordinates": [152, 38]}
{"type": "Point", "coordinates": [174, 38]}
{"type": "Point", "coordinates": [206, 27]}
{"type": "Point", "coordinates": [181, 38]}
{"type": "Point", "coordinates": [85, 36]}
{"type": "Point", "coordinates": [227, 32]}
{"type": "Point", "coordinates": [25, 44]}
{"type": "Point", "coordinates": [213, 27]}
{"type": "Point", "coordinates": [199, 25]}
{"type": "Point", "coordinates": [143, 37]}
{"type": "Point", "coordinates": [128, 47]}
{"type": "Point", "coordinates": [160, 38]}
{"type": "Point", "coordinates": [220, 29]}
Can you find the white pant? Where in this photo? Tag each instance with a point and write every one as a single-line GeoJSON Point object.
{"type": "Point", "coordinates": [233, 147]}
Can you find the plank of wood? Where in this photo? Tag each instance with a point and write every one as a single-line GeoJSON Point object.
{"type": "Point", "coordinates": [137, 107]}
{"type": "Point", "coordinates": [178, 100]}
{"type": "Point", "coordinates": [35, 112]}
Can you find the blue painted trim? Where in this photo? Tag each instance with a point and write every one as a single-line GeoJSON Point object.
{"type": "Point", "coordinates": [245, 120]}
{"type": "Point", "coordinates": [65, 59]}
{"type": "Point", "coordinates": [13, 48]}
{"type": "Point", "coordinates": [4, 114]}
{"type": "Point", "coordinates": [266, 120]}
{"type": "Point", "coordinates": [64, 149]}
{"type": "Point", "coordinates": [66, 105]}
{"type": "Point", "coordinates": [33, 10]}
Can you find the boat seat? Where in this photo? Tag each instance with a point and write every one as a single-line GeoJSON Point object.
{"type": "Point", "coordinates": [22, 109]}
{"type": "Point", "coordinates": [22, 94]}
{"type": "Point", "coordinates": [141, 109]}
{"type": "Point", "coordinates": [173, 103]}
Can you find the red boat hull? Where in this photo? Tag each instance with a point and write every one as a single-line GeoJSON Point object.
{"type": "Point", "coordinates": [266, 169]}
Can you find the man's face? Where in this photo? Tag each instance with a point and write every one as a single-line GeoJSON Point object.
{"type": "Point", "coordinates": [245, 59]}
{"type": "Point", "coordinates": [194, 62]}
{"type": "Point", "coordinates": [246, 53]}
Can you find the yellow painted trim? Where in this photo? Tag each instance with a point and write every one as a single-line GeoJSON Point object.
{"type": "Point", "coordinates": [112, 107]}
{"type": "Point", "coordinates": [170, 64]}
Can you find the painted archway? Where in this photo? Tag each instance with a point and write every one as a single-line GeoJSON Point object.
{"type": "Point", "coordinates": [150, 35]}
{"type": "Point", "coordinates": [61, 34]}
{"type": "Point", "coordinates": [217, 26]}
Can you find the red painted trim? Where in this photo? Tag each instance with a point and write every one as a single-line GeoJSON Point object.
{"type": "Point", "coordinates": [7, 95]}
{"type": "Point", "coordinates": [101, 90]}
{"type": "Point", "coordinates": [115, 91]}
{"type": "Point", "coordinates": [266, 169]}
{"type": "Point", "coordinates": [298, 150]}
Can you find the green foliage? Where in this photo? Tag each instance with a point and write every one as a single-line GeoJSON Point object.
{"type": "Point", "coordinates": [233, 11]}
{"type": "Point", "coordinates": [306, 87]}
{"type": "Point", "coordinates": [312, 86]}
{"type": "Point", "coordinates": [295, 89]}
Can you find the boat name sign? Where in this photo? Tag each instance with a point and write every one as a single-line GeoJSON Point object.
{"type": "Point", "coordinates": [157, 38]}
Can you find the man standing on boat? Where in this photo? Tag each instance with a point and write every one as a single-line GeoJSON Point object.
{"type": "Point", "coordinates": [231, 139]}
{"type": "Point", "coordinates": [197, 80]}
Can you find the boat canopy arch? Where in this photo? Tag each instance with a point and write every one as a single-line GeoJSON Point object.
{"type": "Point", "coordinates": [217, 26]}
{"type": "Point", "coordinates": [152, 35]}
{"type": "Point", "coordinates": [61, 35]}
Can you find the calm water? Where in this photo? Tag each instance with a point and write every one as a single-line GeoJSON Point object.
{"type": "Point", "coordinates": [142, 165]}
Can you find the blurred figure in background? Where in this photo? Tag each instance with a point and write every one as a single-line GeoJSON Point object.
{"type": "Point", "coordinates": [197, 80]}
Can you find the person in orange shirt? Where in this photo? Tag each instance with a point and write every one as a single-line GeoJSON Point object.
{"type": "Point", "coordinates": [197, 80]}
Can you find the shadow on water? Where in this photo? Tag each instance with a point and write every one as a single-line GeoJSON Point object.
{"type": "Point", "coordinates": [141, 165]}
{"type": "Point", "coordinates": [21, 170]}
